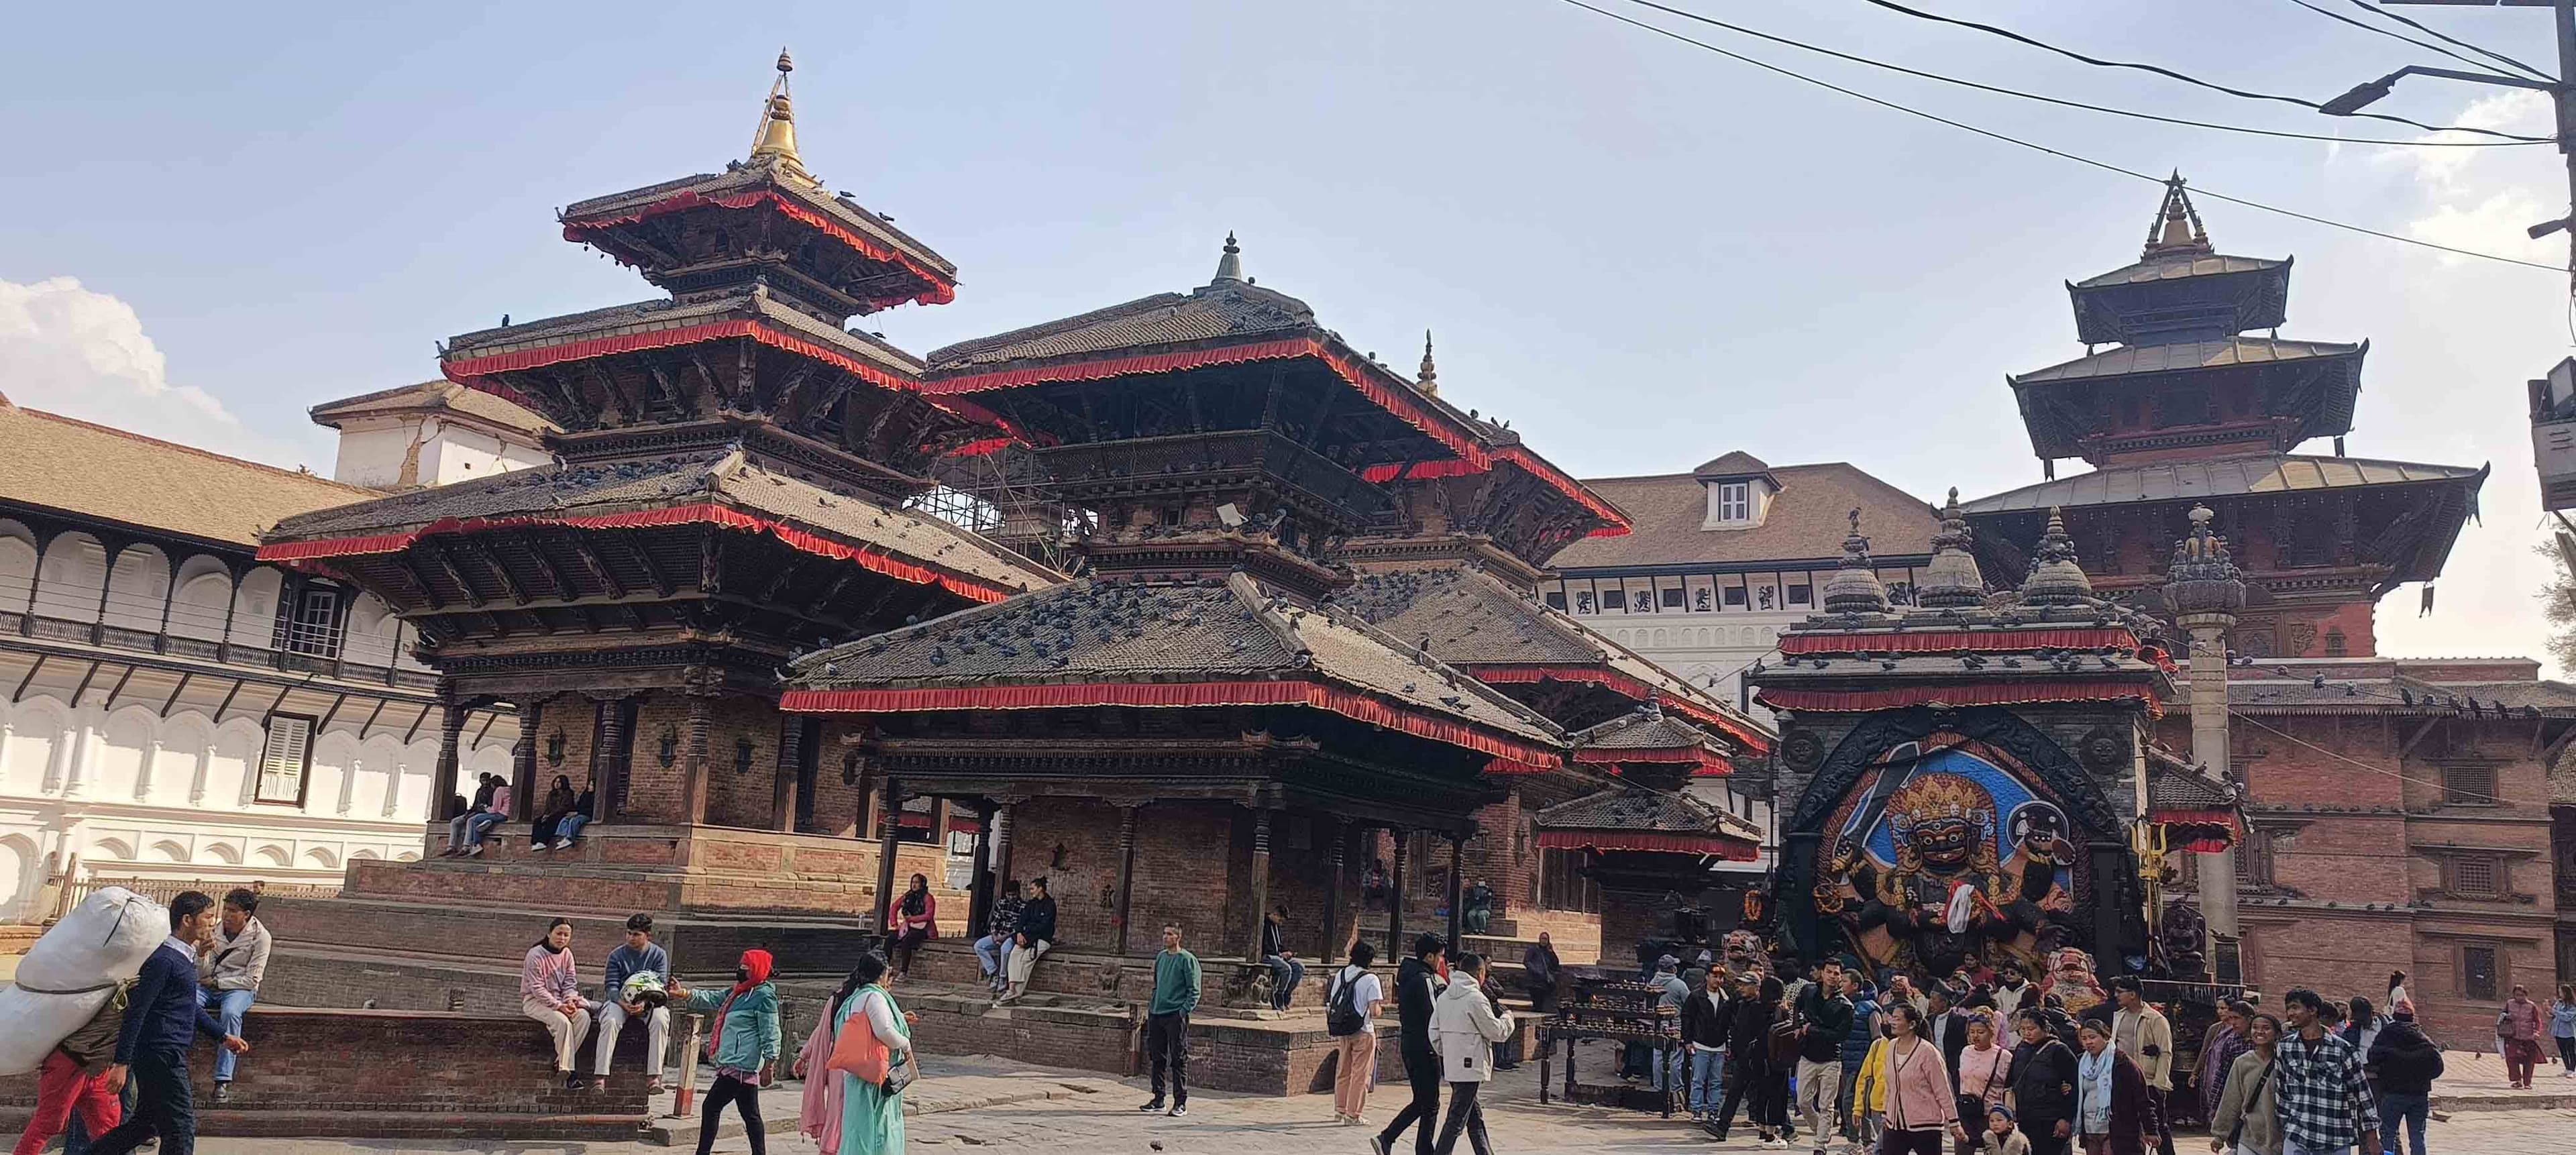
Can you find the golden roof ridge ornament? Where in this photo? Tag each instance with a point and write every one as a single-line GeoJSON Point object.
{"type": "Point", "coordinates": [1229, 264]}
{"type": "Point", "coordinates": [775, 140]}
{"type": "Point", "coordinates": [1429, 382]}
{"type": "Point", "coordinates": [2177, 227]}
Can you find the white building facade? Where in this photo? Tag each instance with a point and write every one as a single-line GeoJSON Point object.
{"type": "Point", "coordinates": [171, 709]}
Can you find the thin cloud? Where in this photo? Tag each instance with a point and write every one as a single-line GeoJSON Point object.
{"type": "Point", "coordinates": [82, 353]}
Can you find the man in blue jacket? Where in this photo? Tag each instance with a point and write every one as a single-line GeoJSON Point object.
{"type": "Point", "coordinates": [162, 1018]}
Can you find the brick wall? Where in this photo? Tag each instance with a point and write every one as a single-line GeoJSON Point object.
{"type": "Point", "coordinates": [736, 797]}
{"type": "Point", "coordinates": [1073, 844]}
{"type": "Point", "coordinates": [1502, 854]}
{"type": "Point", "coordinates": [409, 1074]}
{"type": "Point", "coordinates": [654, 791]}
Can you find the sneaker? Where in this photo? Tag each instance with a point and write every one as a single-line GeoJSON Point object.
{"type": "Point", "coordinates": [224, 1092]}
{"type": "Point", "coordinates": [599, 1083]}
{"type": "Point", "coordinates": [473, 852]}
{"type": "Point", "coordinates": [1179, 1109]}
{"type": "Point", "coordinates": [1377, 1144]}
{"type": "Point", "coordinates": [565, 844]}
{"type": "Point", "coordinates": [539, 848]}
{"type": "Point", "coordinates": [1152, 1105]}
{"type": "Point", "coordinates": [654, 1087]}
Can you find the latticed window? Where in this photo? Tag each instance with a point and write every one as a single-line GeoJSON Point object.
{"type": "Point", "coordinates": [284, 760]}
{"type": "Point", "coordinates": [2470, 783]}
{"type": "Point", "coordinates": [2474, 876]}
{"type": "Point", "coordinates": [2254, 859]}
{"type": "Point", "coordinates": [314, 631]}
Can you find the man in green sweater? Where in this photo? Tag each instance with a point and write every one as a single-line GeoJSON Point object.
{"type": "Point", "coordinates": [1167, 1021]}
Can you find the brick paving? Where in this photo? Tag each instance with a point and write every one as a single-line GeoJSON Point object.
{"type": "Point", "coordinates": [980, 1103]}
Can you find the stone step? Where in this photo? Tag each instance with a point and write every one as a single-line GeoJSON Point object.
{"type": "Point", "coordinates": [699, 944]}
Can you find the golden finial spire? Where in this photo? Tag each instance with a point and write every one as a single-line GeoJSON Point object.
{"type": "Point", "coordinates": [2177, 227]}
{"type": "Point", "coordinates": [776, 137]}
{"type": "Point", "coordinates": [1430, 380]}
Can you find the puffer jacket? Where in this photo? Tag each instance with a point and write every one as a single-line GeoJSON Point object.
{"type": "Point", "coordinates": [1464, 1029]}
{"type": "Point", "coordinates": [750, 1038]}
{"type": "Point", "coordinates": [1864, 1033]}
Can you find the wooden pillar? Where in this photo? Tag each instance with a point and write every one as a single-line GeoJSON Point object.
{"type": "Point", "coordinates": [1395, 898]}
{"type": "Point", "coordinates": [1333, 895]}
{"type": "Point", "coordinates": [782, 793]}
{"type": "Point", "coordinates": [1457, 890]}
{"type": "Point", "coordinates": [1126, 872]}
{"type": "Point", "coordinates": [979, 906]}
{"type": "Point", "coordinates": [886, 828]}
{"type": "Point", "coordinates": [442, 784]}
{"type": "Point", "coordinates": [524, 795]}
{"type": "Point", "coordinates": [612, 761]}
{"type": "Point", "coordinates": [693, 766]}
{"type": "Point", "coordinates": [1260, 880]}
{"type": "Point", "coordinates": [1000, 833]}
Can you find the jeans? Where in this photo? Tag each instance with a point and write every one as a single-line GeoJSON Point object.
{"type": "Point", "coordinates": [1704, 1069]}
{"type": "Point", "coordinates": [2411, 1109]}
{"type": "Point", "coordinates": [570, 827]}
{"type": "Point", "coordinates": [2290, 1146]}
{"type": "Point", "coordinates": [480, 825]}
{"type": "Point", "coordinates": [163, 1108]}
{"type": "Point", "coordinates": [1464, 1117]}
{"type": "Point", "coordinates": [456, 830]}
{"type": "Point", "coordinates": [227, 1007]}
{"type": "Point", "coordinates": [1476, 920]}
{"type": "Point", "coordinates": [1285, 974]}
{"type": "Point", "coordinates": [988, 956]}
{"type": "Point", "coordinates": [1669, 1071]}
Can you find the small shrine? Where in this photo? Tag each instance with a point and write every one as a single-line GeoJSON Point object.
{"type": "Point", "coordinates": [1962, 780]}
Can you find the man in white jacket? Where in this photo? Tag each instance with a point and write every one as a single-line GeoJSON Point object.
{"type": "Point", "coordinates": [1464, 1028]}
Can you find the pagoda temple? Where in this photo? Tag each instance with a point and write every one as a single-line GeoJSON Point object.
{"type": "Point", "coordinates": [2397, 801]}
{"type": "Point", "coordinates": [731, 463]}
{"type": "Point", "coordinates": [2197, 399]}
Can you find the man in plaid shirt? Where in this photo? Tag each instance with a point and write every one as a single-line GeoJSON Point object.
{"type": "Point", "coordinates": [2325, 1103]}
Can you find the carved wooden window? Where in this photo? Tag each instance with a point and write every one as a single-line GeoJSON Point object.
{"type": "Point", "coordinates": [2335, 643]}
{"type": "Point", "coordinates": [2479, 974]}
{"type": "Point", "coordinates": [2469, 784]}
{"type": "Point", "coordinates": [2476, 878]}
{"type": "Point", "coordinates": [2254, 859]}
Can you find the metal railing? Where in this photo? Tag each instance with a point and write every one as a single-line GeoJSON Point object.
{"type": "Point", "coordinates": [230, 653]}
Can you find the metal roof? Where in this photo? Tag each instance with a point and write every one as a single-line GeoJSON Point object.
{"type": "Point", "coordinates": [2215, 477]}
{"type": "Point", "coordinates": [2187, 355]}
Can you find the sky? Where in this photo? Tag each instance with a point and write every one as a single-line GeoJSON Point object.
{"type": "Point", "coordinates": [1639, 252]}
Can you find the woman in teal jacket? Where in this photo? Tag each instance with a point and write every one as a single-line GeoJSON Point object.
{"type": "Point", "coordinates": [742, 1041]}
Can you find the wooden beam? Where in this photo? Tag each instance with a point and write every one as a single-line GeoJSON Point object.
{"type": "Point", "coordinates": [428, 593]}
{"type": "Point", "coordinates": [2416, 738]}
{"type": "Point", "coordinates": [21, 692]}
{"type": "Point", "coordinates": [652, 571]}
{"type": "Point", "coordinates": [554, 573]}
{"type": "Point", "coordinates": [175, 691]}
{"type": "Point", "coordinates": [447, 565]}
{"type": "Point", "coordinates": [596, 565]}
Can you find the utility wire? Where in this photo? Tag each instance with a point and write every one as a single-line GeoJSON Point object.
{"type": "Point", "coordinates": [2337, 755]}
{"type": "Point", "coordinates": [2160, 70]}
{"type": "Point", "coordinates": [2401, 37]}
{"type": "Point", "coordinates": [2062, 102]}
{"type": "Point", "coordinates": [2402, 18]}
{"type": "Point", "coordinates": [2105, 166]}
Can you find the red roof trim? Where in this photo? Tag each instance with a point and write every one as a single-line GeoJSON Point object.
{"type": "Point", "coordinates": [1472, 455]}
{"type": "Point", "coordinates": [1522, 673]}
{"type": "Point", "coordinates": [943, 286]}
{"type": "Point", "coordinates": [472, 371]}
{"type": "Point", "coordinates": [1668, 842]}
{"type": "Point", "coordinates": [723, 517]}
{"type": "Point", "coordinates": [1702, 762]}
{"type": "Point", "coordinates": [1958, 641]}
{"type": "Point", "coordinates": [1348, 703]}
{"type": "Point", "coordinates": [1995, 694]}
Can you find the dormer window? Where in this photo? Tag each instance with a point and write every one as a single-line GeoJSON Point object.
{"type": "Point", "coordinates": [1739, 488]}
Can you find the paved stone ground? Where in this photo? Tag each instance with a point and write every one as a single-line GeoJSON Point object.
{"type": "Point", "coordinates": [969, 1104]}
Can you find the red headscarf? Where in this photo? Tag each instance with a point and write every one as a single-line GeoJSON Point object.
{"type": "Point", "coordinates": [755, 967]}
{"type": "Point", "coordinates": [755, 971]}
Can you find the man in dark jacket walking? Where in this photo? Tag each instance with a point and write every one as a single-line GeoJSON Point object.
{"type": "Point", "coordinates": [162, 1018]}
{"type": "Point", "coordinates": [2405, 1063]}
{"type": "Point", "coordinates": [1824, 1018]}
{"type": "Point", "coordinates": [2043, 1084]}
{"type": "Point", "coordinates": [1417, 983]}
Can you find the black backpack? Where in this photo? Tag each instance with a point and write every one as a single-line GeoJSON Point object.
{"type": "Point", "coordinates": [1341, 1014]}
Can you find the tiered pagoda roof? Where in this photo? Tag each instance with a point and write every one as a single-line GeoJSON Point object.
{"type": "Point", "coordinates": [1198, 643]}
{"type": "Point", "coordinates": [2186, 373]}
{"type": "Point", "coordinates": [1650, 741]}
{"type": "Point", "coordinates": [1497, 632]}
{"type": "Point", "coordinates": [2202, 813]}
{"type": "Point", "coordinates": [1629, 820]}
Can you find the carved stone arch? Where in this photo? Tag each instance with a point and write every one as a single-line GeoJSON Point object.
{"type": "Point", "coordinates": [224, 852]}
{"type": "Point", "coordinates": [2055, 768]}
{"type": "Point", "coordinates": [271, 854]}
{"type": "Point", "coordinates": [169, 850]}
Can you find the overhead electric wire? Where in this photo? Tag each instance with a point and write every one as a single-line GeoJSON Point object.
{"type": "Point", "coordinates": [2160, 70]}
{"type": "Point", "coordinates": [2491, 54]}
{"type": "Point", "coordinates": [2105, 166]}
{"type": "Point", "coordinates": [2403, 38]}
{"type": "Point", "coordinates": [1800, 44]}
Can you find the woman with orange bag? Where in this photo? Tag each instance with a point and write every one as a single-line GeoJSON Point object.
{"type": "Point", "coordinates": [871, 1060]}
